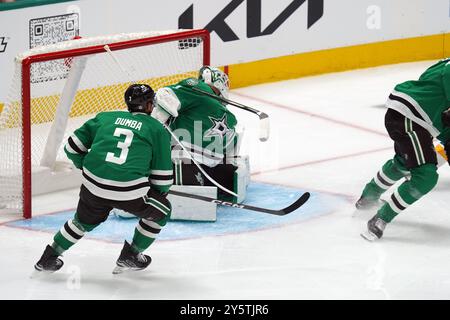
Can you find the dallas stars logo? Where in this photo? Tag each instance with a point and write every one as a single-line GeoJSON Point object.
{"type": "Point", "coordinates": [199, 178]}
{"type": "Point", "coordinates": [219, 129]}
{"type": "Point", "coordinates": [192, 82]}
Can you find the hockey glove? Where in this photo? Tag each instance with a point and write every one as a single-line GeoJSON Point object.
{"type": "Point", "coordinates": [166, 105]}
{"type": "Point", "coordinates": [160, 114]}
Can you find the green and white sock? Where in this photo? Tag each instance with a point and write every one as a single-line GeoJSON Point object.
{"type": "Point", "coordinates": [144, 234]}
{"type": "Point", "coordinates": [71, 232]}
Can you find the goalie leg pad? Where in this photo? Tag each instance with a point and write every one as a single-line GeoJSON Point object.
{"type": "Point", "coordinates": [188, 174]}
{"type": "Point", "coordinates": [234, 175]}
{"type": "Point", "coordinates": [192, 209]}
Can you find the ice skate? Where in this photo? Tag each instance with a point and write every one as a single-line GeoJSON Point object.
{"type": "Point", "coordinates": [49, 261]}
{"type": "Point", "coordinates": [130, 260]}
{"type": "Point", "coordinates": [375, 228]}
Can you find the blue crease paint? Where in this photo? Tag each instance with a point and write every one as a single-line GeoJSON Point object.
{"type": "Point", "coordinates": [229, 220]}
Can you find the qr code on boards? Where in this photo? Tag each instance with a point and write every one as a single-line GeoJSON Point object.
{"type": "Point", "coordinates": [50, 30]}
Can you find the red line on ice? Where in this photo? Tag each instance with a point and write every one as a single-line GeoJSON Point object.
{"type": "Point", "coordinates": [292, 166]}
{"type": "Point", "coordinates": [315, 115]}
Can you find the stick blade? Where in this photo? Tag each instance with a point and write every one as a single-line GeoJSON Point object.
{"type": "Point", "coordinates": [297, 204]}
{"type": "Point", "coordinates": [264, 127]}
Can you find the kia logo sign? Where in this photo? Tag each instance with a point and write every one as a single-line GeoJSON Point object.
{"type": "Point", "coordinates": [254, 7]}
{"type": "Point", "coordinates": [3, 44]}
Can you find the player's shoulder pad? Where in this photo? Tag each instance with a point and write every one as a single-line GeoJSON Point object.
{"type": "Point", "coordinates": [101, 115]}
{"type": "Point", "coordinates": [111, 113]}
{"type": "Point", "coordinates": [106, 116]}
{"type": "Point", "coordinates": [152, 126]}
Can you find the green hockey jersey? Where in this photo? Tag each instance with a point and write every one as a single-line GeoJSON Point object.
{"type": "Point", "coordinates": [205, 126]}
{"type": "Point", "coordinates": [424, 100]}
{"type": "Point", "coordinates": [122, 155]}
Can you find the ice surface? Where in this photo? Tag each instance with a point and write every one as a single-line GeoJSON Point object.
{"type": "Point", "coordinates": [327, 137]}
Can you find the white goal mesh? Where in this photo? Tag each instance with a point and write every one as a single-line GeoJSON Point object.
{"type": "Point", "coordinates": [70, 82]}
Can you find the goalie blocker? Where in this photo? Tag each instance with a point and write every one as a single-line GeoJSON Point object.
{"type": "Point", "coordinates": [234, 175]}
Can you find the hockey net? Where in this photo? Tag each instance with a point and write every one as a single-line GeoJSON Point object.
{"type": "Point", "coordinates": [58, 87]}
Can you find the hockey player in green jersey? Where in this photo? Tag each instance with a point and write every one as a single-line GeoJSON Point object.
{"type": "Point", "coordinates": [206, 128]}
{"type": "Point", "coordinates": [417, 113]}
{"type": "Point", "coordinates": [125, 162]}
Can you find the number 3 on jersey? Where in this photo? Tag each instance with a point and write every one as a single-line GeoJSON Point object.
{"type": "Point", "coordinates": [123, 146]}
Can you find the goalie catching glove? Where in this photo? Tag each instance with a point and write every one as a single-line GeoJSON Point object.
{"type": "Point", "coordinates": [166, 105]}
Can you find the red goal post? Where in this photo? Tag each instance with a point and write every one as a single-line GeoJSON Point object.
{"type": "Point", "coordinates": [58, 87]}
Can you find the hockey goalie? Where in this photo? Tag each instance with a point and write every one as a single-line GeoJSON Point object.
{"type": "Point", "coordinates": [205, 136]}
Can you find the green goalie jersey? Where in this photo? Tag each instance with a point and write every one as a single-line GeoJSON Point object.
{"type": "Point", "coordinates": [122, 155]}
{"type": "Point", "coordinates": [205, 125]}
{"type": "Point", "coordinates": [425, 99]}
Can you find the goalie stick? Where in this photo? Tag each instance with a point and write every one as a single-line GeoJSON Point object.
{"type": "Point", "coordinates": [282, 212]}
{"type": "Point", "coordinates": [264, 126]}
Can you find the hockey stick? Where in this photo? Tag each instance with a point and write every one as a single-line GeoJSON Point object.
{"type": "Point", "coordinates": [264, 125]}
{"type": "Point", "coordinates": [113, 56]}
{"type": "Point", "coordinates": [282, 212]}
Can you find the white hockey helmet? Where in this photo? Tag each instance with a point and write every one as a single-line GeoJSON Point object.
{"type": "Point", "coordinates": [216, 78]}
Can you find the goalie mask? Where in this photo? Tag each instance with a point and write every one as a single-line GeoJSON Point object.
{"type": "Point", "coordinates": [137, 96]}
{"type": "Point", "coordinates": [216, 78]}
